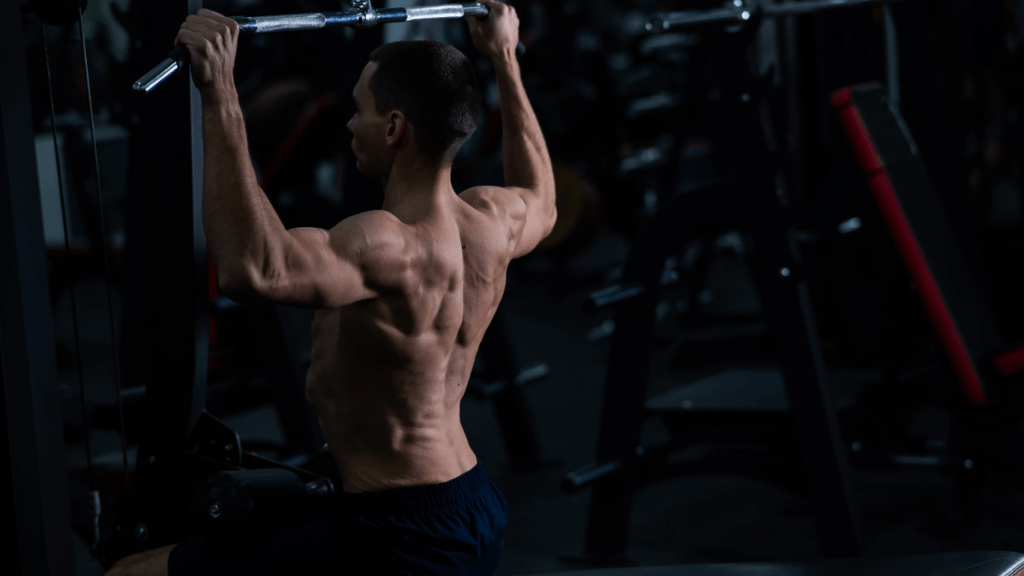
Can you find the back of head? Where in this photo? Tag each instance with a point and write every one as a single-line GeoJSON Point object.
{"type": "Point", "coordinates": [435, 86]}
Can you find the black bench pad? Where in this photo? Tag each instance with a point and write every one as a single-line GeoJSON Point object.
{"type": "Point", "coordinates": [952, 564]}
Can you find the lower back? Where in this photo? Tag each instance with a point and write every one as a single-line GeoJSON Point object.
{"type": "Point", "coordinates": [386, 454]}
{"type": "Point", "coordinates": [390, 420]}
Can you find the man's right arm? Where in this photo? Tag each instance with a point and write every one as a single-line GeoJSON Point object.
{"type": "Point", "coordinates": [528, 172]}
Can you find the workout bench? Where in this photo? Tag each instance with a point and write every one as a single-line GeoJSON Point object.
{"type": "Point", "coordinates": [952, 564]}
{"type": "Point", "coordinates": [888, 156]}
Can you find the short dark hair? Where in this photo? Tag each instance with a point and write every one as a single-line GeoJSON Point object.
{"type": "Point", "coordinates": [435, 86]}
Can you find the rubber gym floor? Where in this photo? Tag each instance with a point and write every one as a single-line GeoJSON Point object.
{"type": "Point", "coordinates": [685, 520]}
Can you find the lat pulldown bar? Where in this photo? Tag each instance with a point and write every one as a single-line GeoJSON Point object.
{"type": "Point", "coordinates": [365, 16]}
{"type": "Point", "coordinates": [742, 11]}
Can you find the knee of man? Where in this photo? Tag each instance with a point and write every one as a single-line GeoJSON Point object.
{"type": "Point", "coordinates": [149, 563]}
{"type": "Point", "coordinates": [119, 569]}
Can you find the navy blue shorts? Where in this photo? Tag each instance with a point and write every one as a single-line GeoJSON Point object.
{"type": "Point", "coordinates": [457, 527]}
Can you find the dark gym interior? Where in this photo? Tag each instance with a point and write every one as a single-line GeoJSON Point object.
{"type": "Point", "coordinates": [779, 320]}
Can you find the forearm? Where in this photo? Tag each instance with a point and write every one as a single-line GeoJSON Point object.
{"type": "Point", "coordinates": [241, 226]}
{"type": "Point", "coordinates": [527, 163]}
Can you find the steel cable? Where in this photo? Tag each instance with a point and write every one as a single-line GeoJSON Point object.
{"type": "Point", "coordinates": [104, 242]}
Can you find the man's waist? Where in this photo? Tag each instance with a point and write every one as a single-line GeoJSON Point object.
{"type": "Point", "coordinates": [374, 471]}
{"type": "Point", "coordinates": [391, 497]}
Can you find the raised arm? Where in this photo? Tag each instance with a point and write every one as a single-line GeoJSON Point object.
{"type": "Point", "coordinates": [528, 172]}
{"type": "Point", "coordinates": [256, 258]}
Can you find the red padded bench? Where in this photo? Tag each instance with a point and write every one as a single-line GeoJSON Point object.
{"type": "Point", "coordinates": [889, 158]}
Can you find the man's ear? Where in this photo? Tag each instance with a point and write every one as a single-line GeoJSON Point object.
{"type": "Point", "coordinates": [396, 128]}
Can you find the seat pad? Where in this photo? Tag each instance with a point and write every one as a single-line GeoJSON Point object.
{"type": "Point", "coordinates": [950, 564]}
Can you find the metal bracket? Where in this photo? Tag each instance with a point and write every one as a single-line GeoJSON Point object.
{"type": "Point", "coordinates": [215, 439]}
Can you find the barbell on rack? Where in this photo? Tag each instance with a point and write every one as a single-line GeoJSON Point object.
{"type": "Point", "coordinates": [741, 11]}
{"type": "Point", "coordinates": [364, 16]}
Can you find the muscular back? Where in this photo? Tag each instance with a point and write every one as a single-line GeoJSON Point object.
{"type": "Point", "coordinates": [388, 372]}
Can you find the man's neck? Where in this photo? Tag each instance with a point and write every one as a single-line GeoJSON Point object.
{"type": "Point", "coordinates": [411, 177]}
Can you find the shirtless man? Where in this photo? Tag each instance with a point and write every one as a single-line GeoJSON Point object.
{"type": "Point", "coordinates": [403, 297]}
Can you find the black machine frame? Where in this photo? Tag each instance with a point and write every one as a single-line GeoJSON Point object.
{"type": "Point", "coordinates": [34, 482]}
{"type": "Point", "coordinates": [180, 443]}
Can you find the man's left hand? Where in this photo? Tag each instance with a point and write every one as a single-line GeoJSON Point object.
{"type": "Point", "coordinates": [212, 40]}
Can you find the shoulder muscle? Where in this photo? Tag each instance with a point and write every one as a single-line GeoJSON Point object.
{"type": "Point", "coordinates": [377, 242]}
{"type": "Point", "coordinates": [495, 201]}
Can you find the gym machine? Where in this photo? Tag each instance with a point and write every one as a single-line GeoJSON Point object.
{"type": "Point", "coordinates": [34, 482]}
{"type": "Point", "coordinates": [191, 474]}
{"type": "Point", "coordinates": [181, 445]}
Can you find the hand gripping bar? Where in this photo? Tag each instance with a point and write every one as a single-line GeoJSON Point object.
{"type": "Point", "coordinates": [179, 58]}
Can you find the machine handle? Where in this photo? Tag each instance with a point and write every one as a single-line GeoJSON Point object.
{"type": "Point", "coordinates": [577, 479]}
{"type": "Point", "coordinates": [612, 295]}
{"type": "Point", "coordinates": [620, 293]}
{"type": "Point", "coordinates": [176, 60]}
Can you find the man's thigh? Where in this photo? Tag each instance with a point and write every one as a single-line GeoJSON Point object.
{"type": "Point", "coordinates": [327, 546]}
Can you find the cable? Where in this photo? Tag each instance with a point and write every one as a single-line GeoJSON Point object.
{"type": "Point", "coordinates": [67, 260]}
{"type": "Point", "coordinates": [106, 255]}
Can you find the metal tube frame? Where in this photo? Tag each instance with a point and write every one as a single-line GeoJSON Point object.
{"type": "Point", "coordinates": [34, 480]}
{"type": "Point", "coordinates": [367, 18]}
{"type": "Point", "coordinates": [742, 12]}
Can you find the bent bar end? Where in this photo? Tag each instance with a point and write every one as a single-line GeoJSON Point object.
{"type": "Point", "coordinates": [176, 60]}
{"type": "Point", "coordinates": [165, 69]}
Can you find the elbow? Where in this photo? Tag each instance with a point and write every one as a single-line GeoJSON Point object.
{"type": "Point", "coordinates": [552, 220]}
{"type": "Point", "coordinates": [234, 286]}
{"type": "Point", "coordinates": [552, 208]}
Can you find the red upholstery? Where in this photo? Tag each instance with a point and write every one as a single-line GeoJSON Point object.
{"type": "Point", "coordinates": [874, 169]}
{"type": "Point", "coordinates": [1010, 363]}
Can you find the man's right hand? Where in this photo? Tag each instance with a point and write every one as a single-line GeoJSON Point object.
{"type": "Point", "coordinates": [498, 35]}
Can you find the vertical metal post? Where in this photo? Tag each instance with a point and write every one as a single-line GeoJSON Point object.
{"type": "Point", "coordinates": [892, 57]}
{"type": "Point", "coordinates": [168, 172]}
{"type": "Point", "coordinates": [794, 87]}
{"type": "Point", "coordinates": [629, 359]}
{"type": "Point", "coordinates": [787, 305]}
{"type": "Point", "coordinates": [622, 411]}
{"type": "Point", "coordinates": [168, 262]}
{"type": "Point", "coordinates": [34, 477]}
{"type": "Point", "coordinates": [512, 407]}
{"type": "Point", "coordinates": [789, 312]}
